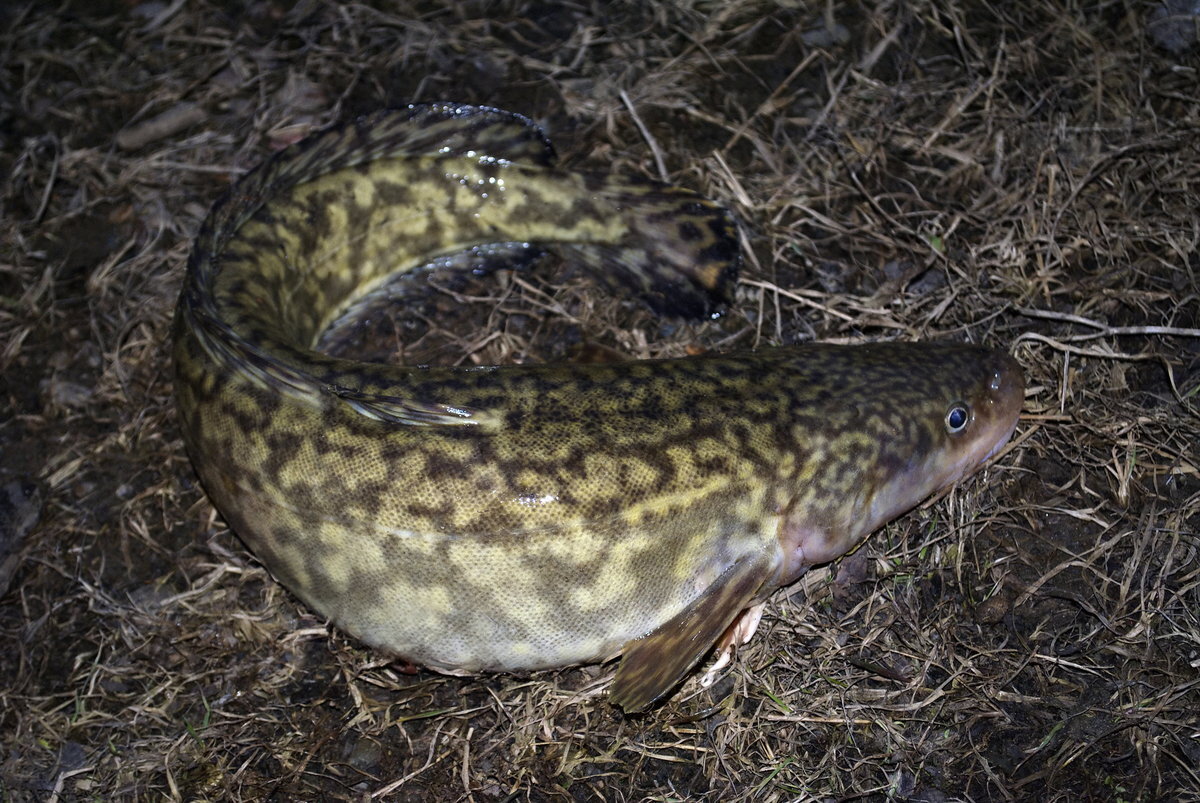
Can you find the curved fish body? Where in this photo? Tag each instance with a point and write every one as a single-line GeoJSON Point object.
{"type": "Point", "coordinates": [521, 517]}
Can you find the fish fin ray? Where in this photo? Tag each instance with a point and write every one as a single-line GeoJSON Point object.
{"type": "Point", "coordinates": [425, 129]}
{"type": "Point", "coordinates": [652, 665]}
{"type": "Point", "coordinates": [410, 412]}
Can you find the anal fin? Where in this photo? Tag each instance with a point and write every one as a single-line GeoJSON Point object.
{"type": "Point", "coordinates": [653, 664]}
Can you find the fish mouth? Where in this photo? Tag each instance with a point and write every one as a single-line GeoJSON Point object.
{"type": "Point", "coordinates": [1001, 440]}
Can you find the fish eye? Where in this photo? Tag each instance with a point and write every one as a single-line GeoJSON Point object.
{"type": "Point", "coordinates": [957, 418]}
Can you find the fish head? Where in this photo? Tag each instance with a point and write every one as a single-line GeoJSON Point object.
{"type": "Point", "coordinates": [966, 418]}
{"type": "Point", "coordinates": [913, 420]}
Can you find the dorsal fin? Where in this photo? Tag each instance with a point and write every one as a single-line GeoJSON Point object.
{"type": "Point", "coordinates": [426, 129]}
{"type": "Point", "coordinates": [653, 664]}
{"type": "Point", "coordinates": [448, 129]}
{"type": "Point", "coordinates": [399, 410]}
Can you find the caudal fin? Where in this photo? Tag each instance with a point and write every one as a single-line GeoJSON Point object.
{"type": "Point", "coordinates": [681, 252]}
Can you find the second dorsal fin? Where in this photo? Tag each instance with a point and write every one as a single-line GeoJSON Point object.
{"type": "Point", "coordinates": [427, 129]}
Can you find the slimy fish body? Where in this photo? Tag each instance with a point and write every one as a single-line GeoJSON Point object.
{"type": "Point", "coordinates": [522, 517]}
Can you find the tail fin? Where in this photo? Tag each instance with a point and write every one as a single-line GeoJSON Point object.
{"type": "Point", "coordinates": [681, 254]}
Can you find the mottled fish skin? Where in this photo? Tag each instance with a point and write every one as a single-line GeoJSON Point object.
{"type": "Point", "coordinates": [522, 517]}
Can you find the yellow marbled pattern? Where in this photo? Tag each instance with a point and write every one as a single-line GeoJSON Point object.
{"type": "Point", "coordinates": [534, 516]}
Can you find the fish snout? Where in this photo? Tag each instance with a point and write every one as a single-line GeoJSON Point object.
{"type": "Point", "coordinates": [1002, 402]}
{"type": "Point", "coordinates": [1008, 388]}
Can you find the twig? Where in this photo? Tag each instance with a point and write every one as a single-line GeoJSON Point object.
{"type": "Point", "coordinates": [172, 121]}
{"type": "Point", "coordinates": [1105, 329]}
{"type": "Point", "coordinates": [1104, 355]}
{"type": "Point", "coordinates": [650, 140]}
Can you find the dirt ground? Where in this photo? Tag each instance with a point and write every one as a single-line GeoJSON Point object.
{"type": "Point", "coordinates": [1020, 174]}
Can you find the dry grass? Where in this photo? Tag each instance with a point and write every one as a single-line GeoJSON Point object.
{"type": "Point", "coordinates": [1025, 177]}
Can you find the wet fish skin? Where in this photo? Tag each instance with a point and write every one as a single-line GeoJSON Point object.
{"type": "Point", "coordinates": [523, 517]}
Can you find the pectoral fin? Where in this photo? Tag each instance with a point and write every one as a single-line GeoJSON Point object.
{"type": "Point", "coordinates": [653, 664]}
